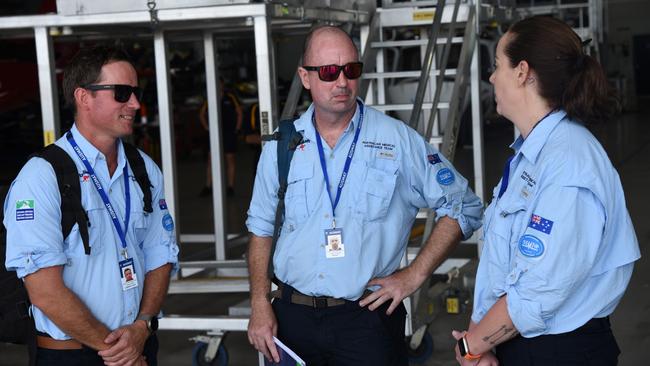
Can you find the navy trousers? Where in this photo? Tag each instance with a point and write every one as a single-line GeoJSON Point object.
{"type": "Point", "coordinates": [593, 344]}
{"type": "Point", "coordinates": [88, 356]}
{"type": "Point", "coordinates": [343, 335]}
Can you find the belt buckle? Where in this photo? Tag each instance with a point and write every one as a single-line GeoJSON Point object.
{"type": "Point", "coordinates": [319, 302]}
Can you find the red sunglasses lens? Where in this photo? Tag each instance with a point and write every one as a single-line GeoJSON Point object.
{"type": "Point", "coordinates": [353, 70]}
{"type": "Point", "coordinates": [329, 72]}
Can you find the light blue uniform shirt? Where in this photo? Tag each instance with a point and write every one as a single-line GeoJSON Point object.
{"type": "Point", "coordinates": [559, 242]}
{"type": "Point", "coordinates": [393, 173]}
{"type": "Point", "coordinates": [38, 243]}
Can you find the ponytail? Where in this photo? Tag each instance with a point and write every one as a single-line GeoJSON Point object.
{"type": "Point", "coordinates": [567, 78]}
{"type": "Point", "coordinates": [588, 97]}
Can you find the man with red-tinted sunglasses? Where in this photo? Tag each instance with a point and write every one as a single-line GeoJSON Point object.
{"type": "Point", "coordinates": [355, 186]}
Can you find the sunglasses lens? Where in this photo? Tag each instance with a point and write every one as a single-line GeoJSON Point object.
{"type": "Point", "coordinates": [329, 72]}
{"type": "Point", "coordinates": [353, 70]}
{"type": "Point", "coordinates": [123, 93]}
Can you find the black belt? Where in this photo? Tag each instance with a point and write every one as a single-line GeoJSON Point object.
{"type": "Point", "coordinates": [288, 293]}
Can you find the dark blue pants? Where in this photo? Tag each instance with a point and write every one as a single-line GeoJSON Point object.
{"type": "Point", "coordinates": [343, 335]}
{"type": "Point", "coordinates": [593, 344]}
{"type": "Point", "coordinates": [88, 356]}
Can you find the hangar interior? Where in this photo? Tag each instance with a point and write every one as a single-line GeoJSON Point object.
{"type": "Point", "coordinates": [426, 62]}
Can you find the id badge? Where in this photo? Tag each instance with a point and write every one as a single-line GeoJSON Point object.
{"type": "Point", "coordinates": [127, 274]}
{"type": "Point", "coordinates": [334, 247]}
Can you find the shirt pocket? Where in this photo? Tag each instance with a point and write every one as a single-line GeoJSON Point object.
{"type": "Point", "coordinates": [299, 179]}
{"type": "Point", "coordinates": [377, 190]}
{"type": "Point", "coordinates": [506, 221]}
{"type": "Point", "coordinates": [139, 227]}
{"type": "Point", "coordinates": [96, 233]}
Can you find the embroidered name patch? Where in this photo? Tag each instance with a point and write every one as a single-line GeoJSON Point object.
{"type": "Point", "coordinates": [531, 246]}
{"type": "Point", "coordinates": [386, 155]}
{"type": "Point", "coordinates": [540, 224]}
{"type": "Point", "coordinates": [434, 159]}
{"type": "Point", "coordinates": [24, 210]}
{"type": "Point", "coordinates": [445, 176]}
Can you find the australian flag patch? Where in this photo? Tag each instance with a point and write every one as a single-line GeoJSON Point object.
{"type": "Point", "coordinates": [433, 159]}
{"type": "Point", "coordinates": [162, 204]}
{"type": "Point", "coordinates": [540, 224]}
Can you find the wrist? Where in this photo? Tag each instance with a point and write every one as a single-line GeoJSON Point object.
{"type": "Point", "coordinates": [464, 349]}
{"type": "Point", "coordinates": [149, 323]}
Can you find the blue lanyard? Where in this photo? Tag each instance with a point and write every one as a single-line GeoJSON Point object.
{"type": "Point", "coordinates": [346, 167]}
{"type": "Point", "coordinates": [102, 192]}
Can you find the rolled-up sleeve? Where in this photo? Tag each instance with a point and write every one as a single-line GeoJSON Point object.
{"type": "Point", "coordinates": [440, 187]}
{"type": "Point", "coordinates": [32, 216]}
{"type": "Point", "coordinates": [554, 255]}
{"type": "Point", "coordinates": [261, 213]}
{"type": "Point", "coordinates": [160, 246]}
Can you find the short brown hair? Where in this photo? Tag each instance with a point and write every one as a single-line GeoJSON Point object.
{"type": "Point", "coordinates": [86, 67]}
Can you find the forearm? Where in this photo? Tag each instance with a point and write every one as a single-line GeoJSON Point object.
{"type": "Point", "coordinates": [495, 328]}
{"type": "Point", "coordinates": [259, 255]}
{"type": "Point", "coordinates": [156, 284]}
{"type": "Point", "coordinates": [444, 237]}
{"type": "Point", "coordinates": [48, 292]}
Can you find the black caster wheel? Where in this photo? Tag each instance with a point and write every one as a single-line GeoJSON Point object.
{"type": "Point", "coordinates": [198, 355]}
{"type": "Point", "coordinates": [423, 352]}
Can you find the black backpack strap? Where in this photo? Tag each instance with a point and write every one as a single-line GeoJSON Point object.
{"type": "Point", "coordinates": [288, 139]}
{"type": "Point", "coordinates": [67, 177]}
{"type": "Point", "coordinates": [140, 172]}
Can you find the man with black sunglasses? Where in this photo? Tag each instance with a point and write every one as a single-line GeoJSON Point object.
{"type": "Point", "coordinates": [356, 183]}
{"type": "Point", "coordinates": [96, 305]}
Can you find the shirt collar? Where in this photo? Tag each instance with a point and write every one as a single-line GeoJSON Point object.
{"type": "Point", "coordinates": [532, 145]}
{"type": "Point", "coordinates": [92, 153]}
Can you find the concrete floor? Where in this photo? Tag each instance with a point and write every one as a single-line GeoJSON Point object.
{"type": "Point", "coordinates": [627, 142]}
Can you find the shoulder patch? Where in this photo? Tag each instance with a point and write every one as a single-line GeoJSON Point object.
{"type": "Point", "coordinates": [531, 246]}
{"type": "Point", "coordinates": [540, 224]}
{"type": "Point", "coordinates": [24, 210]}
{"type": "Point", "coordinates": [434, 159]}
{"type": "Point", "coordinates": [445, 176]}
{"type": "Point", "coordinates": [168, 222]}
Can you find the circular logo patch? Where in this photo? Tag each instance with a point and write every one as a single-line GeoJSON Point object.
{"type": "Point", "coordinates": [445, 176]}
{"type": "Point", "coordinates": [168, 222]}
{"type": "Point", "coordinates": [531, 246]}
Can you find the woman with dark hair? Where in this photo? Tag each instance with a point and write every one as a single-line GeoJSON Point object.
{"type": "Point", "coordinates": [559, 245]}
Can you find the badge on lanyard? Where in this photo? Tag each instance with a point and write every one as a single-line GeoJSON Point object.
{"type": "Point", "coordinates": [334, 236]}
{"type": "Point", "coordinates": [127, 272]}
{"type": "Point", "coordinates": [334, 240]}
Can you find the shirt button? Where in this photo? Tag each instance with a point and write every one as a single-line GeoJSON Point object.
{"type": "Point", "coordinates": [327, 216]}
{"type": "Point", "coordinates": [130, 313]}
{"type": "Point", "coordinates": [110, 190]}
{"type": "Point", "coordinates": [321, 276]}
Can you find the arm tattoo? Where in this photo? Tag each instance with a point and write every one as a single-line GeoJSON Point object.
{"type": "Point", "coordinates": [500, 335]}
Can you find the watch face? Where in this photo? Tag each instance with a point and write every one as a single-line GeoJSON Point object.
{"type": "Point", "coordinates": [153, 324]}
{"type": "Point", "coordinates": [462, 347]}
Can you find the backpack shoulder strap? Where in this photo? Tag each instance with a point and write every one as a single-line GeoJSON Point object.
{"type": "Point", "coordinates": [288, 139]}
{"type": "Point", "coordinates": [140, 171]}
{"type": "Point", "coordinates": [67, 177]}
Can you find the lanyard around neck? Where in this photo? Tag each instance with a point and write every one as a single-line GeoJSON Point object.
{"type": "Point", "coordinates": [346, 167]}
{"type": "Point", "coordinates": [102, 192]}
